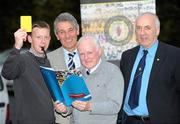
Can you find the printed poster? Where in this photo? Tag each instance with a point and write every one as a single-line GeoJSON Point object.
{"type": "Point", "coordinates": [113, 24]}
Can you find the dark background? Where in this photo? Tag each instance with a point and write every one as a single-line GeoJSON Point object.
{"type": "Point", "coordinates": [11, 10]}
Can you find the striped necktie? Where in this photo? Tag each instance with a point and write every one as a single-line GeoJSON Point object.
{"type": "Point", "coordinates": [136, 86]}
{"type": "Point", "coordinates": [71, 64]}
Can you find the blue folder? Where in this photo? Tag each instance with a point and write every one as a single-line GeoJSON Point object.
{"type": "Point", "coordinates": [73, 88]}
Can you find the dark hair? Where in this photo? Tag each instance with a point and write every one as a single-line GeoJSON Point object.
{"type": "Point", "coordinates": [40, 24]}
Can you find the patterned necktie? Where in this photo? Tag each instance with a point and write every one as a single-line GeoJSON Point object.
{"type": "Point", "coordinates": [71, 64]}
{"type": "Point", "coordinates": [136, 86]}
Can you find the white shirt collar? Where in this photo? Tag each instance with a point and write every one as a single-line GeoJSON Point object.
{"type": "Point", "coordinates": [94, 68]}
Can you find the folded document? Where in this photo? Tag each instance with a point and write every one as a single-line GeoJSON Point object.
{"type": "Point", "coordinates": [65, 86]}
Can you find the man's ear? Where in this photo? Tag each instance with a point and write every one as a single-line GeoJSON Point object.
{"type": "Point", "coordinates": [56, 36]}
{"type": "Point", "coordinates": [29, 39]}
{"type": "Point", "coordinates": [158, 31]}
{"type": "Point", "coordinates": [77, 32]}
{"type": "Point", "coordinates": [101, 51]}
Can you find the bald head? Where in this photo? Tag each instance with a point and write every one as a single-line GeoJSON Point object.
{"type": "Point", "coordinates": [147, 29]}
{"type": "Point", "coordinates": [88, 39]}
{"type": "Point", "coordinates": [150, 15]}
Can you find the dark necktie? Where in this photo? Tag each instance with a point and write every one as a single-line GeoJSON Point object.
{"type": "Point", "coordinates": [136, 86]}
{"type": "Point", "coordinates": [71, 64]}
{"type": "Point", "coordinates": [88, 72]}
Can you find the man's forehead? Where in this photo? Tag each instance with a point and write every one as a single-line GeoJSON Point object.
{"type": "Point", "coordinates": [87, 47]}
{"type": "Point", "coordinates": [65, 23]}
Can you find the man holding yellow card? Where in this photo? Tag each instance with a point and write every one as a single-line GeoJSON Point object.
{"type": "Point", "coordinates": [33, 103]}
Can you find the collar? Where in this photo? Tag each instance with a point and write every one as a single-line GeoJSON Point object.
{"type": "Point", "coordinates": [31, 50]}
{"type": "Point", "coordinates": [151, 50]}
{"type": "Point", "coordinates": [66, 52]}
{"type": "Point", "coordinates": [94, 68]}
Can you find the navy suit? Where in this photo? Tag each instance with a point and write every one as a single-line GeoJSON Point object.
{"type": "Point", "coordinates": [163, 93]}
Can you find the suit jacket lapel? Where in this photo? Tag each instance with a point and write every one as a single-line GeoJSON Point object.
{"type": "Point", "coordinates": [129, 66]}
{"type": "Point", "coordinates": [62, 59]}
{"type": "Point", "coordinates": [58, 62]}
{"type": "Point", "coordinates": [158, 61]}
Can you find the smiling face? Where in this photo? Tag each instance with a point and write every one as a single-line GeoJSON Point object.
{"type": "Point", "coordinates": [67, 34]}
{"type": "Point", "coordinates": [146, 30]}
{"type": "Point", "coordinates": [89, 53]}
{"type": "Point", "coordinates": [40, 37]}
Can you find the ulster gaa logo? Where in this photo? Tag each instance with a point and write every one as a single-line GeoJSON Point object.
{"type": "Point", "coordinates": [118, 30]}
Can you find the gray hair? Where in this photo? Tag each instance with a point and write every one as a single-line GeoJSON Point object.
{"type": "Point", "coordinates": [157, 21]}
{"type": "Point", "coordinates": [91, 38]}
{"type": "Point", "coordinates": [65, 17]}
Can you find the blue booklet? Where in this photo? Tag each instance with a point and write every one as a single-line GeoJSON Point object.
{"type": "Point", "coordinates": [65, 86]}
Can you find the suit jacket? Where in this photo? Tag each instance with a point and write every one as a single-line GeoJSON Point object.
{"type": "Point", "coordinates": [57, 62]}
{"type": "Point", "coordinates": [106, 86]}
{"type": "Point", "coordinates": [163, 93]}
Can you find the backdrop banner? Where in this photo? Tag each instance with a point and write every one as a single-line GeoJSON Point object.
{"type": "Point", "coordinates": [113, 23]}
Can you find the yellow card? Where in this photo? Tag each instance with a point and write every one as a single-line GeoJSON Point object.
{"type": "Point", "coordinates": [26, 23]}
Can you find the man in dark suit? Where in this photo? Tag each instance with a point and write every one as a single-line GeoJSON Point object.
{"type": "Point", "coordinates": [159, 97]}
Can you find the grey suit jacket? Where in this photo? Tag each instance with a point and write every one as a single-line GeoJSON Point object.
{"type": "Point", "coordinates": [106, 85]}
{"type": "Point", "coordinates": [57, 62]}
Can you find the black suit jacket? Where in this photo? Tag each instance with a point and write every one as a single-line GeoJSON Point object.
{"type": "Point", "coordinates": [163, 93]}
